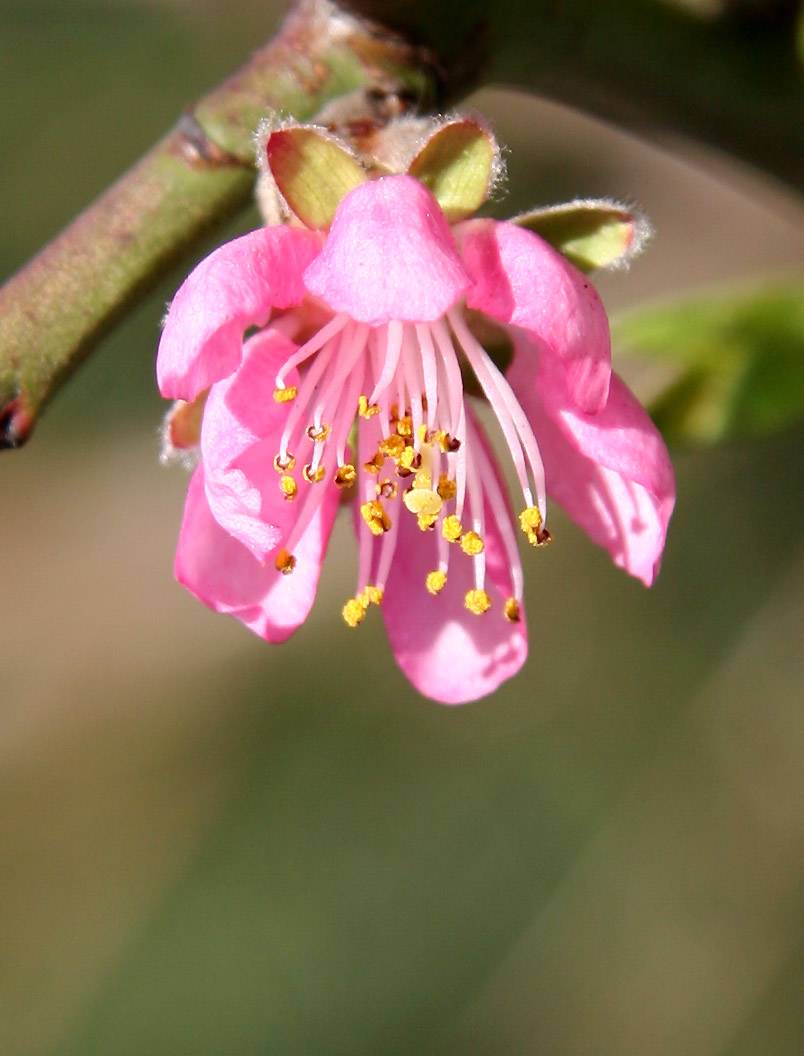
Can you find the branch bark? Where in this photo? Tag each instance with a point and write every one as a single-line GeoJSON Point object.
{"type": "Point", "coordinates": [733, 81]}
{"type": "Point", "coordinates": [54, 310]}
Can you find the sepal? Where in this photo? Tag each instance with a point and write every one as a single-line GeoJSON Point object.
{"type": "Point", "coordinates": [459, 163]}
{"type": "Point", "coordinates": [591, 233]}
{"type": "Point", "coordinates": [313, 171]}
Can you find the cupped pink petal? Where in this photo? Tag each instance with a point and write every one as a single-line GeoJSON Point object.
{"type": "Point", "coordinates": [222, 573]}
{"type": "Point", "coordinates": [235, 287]}
{"type": "Point", "coordinates": [389, 256]}
{"type": "Point", "coordinates": [240, 436]}
{"type": "Point", "coordinates": [449, 654]}
{"type": "Point", "coordinates": [610, 471]}
{"type": "Point", "coordinates": [518, 279]}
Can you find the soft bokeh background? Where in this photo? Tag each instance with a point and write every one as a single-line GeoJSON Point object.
{"type": "Point", "coordinates": [208, 846]}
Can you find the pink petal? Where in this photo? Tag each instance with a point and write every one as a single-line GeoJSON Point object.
{"type": "Point", "coordinates": [521, 280]}
{"type": "Point", "coordinates": [449, 654]}
{"type": "Point", "coordinates": [389, 256]}
{"type": "Point", "coordinates": [610, 471]}
{"type": "Point", "coordinates": [225, 576]}
{"type": "Point", "coordinates": [239, 438]}
{"type": "Point", "coordinates": [235, 287]}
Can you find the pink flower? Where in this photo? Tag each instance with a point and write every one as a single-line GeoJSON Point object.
{"type": "Point", "coordinates": [375, 321]}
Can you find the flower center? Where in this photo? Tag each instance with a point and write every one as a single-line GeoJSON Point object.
{"type": "Point", "coordinates": [420, 454]}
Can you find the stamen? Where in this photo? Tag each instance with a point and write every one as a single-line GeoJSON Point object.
{"type": "Point", "coordinates": [446, 487]}
{"type": "Point", "coordinates": [313, 475]}
{"type": "Point", "coordinates": [392, 446]}
{"type": "Point", "coordinates": [318, 434]}
{"type": "Point", "coordinates": [318, 340]}
{"type": "Point", "coordinates": [353, 612]}
{"type": "Point", "coordinates": [371, 595]}
{"type": "Point", "coordinates": [477, 601]}
{"type": "Point", "coordinates": [408, 461]}
{"type": "Point", "coordinates": [452, 529]}
{"type": "Point", "coordinates": [471, 544]}
{"type": "Point", "coordinates": [499, 508]}
{"type": "Point", "coordinates": [285, 562]}
{"type": "Point", "coordinates": [436, 581]}
{"type": "Point", "coordinates": [429, 370]}
{"type": "Point", "coordinates": [530, 521]}
{"type": "Point", "coordinates": [375, 464]}
{"type": "Point", "coordinates": [366, 409]}
{"type": "Point", "coordinates": [288, 487]}
{"type": "Point", "coordinates": [512, 610]}
{"type": "Point", "coordinates": [285, 395]}
{"type": "Point", "coordinates": [393, 348]}
{"type": "Point", "coordinates": [507, 407]}
{"type": "Point", "coordinates": [424, 502]}
{"type": "Point", "coordinates": [387, 551]}
{"type": "Point", "coordinates": [284, 465]}
{"type": "Point", "coordinates": [387, 489]}
{"type": "Point", "coordinates": [375, 517]}
{"type": "Point", "coordinates": [345, 475]}
{"type": "Point", "coordinates": [411, 361]}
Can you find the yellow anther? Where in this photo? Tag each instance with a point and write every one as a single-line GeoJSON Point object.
{"type": "Point", "coordinates": [371, 596]}
{"type": "Point", "coordinates": [423, 479]}
{"type": "Point", "coordinates": [353, 612]}
{"type": "Point", "coordinates": [530, 521]}
{"type": "Point", "coordinates": [284, 466]}
{"type": "Point", "coordinates": [288, 487]}
{"type": "Point", "coordinates": [387, 489]}
{"type": "Point", "coordinates": [318, 434]}
{"type": "Point", "coordinates": [366, 409]}
{"type": "Point", "coordinates": [512, 610]}
{"type": "Point", "coordinates": [375, 464]}
{"type": "Point", "coordinates": [452, 529]}
{"type": "Point", "coordinates": [285, 562]}
{"type": "Point", "coordinates": [345, 475]}
{"type": "Point", "coordinates": [477, 601]}
{"type": "Point", "coordinates": [392, 446]}
{"type": "Point", "coordinates": [423, 432]}
{"type": "Point", "coordinates": [423, 501]}
{"type": "Point", "coordinates": [436, 581]}
{"type": "Point", "coordinates": [426, 521]}
{"type": "Point", "coordinates": [471, 544]}
{"type": "Point", "coordinates": [286, 394]}
{"type": "Point", "coordinates": [313, 476]}
{"type": "Point", "coordinates": [408, 461]}
{"type": "Point", "coordinates": [447, 488]}
{"type": "Point", "coordinates": [375, 517]}
{"type": "Point", "coordinates": [404, 426]}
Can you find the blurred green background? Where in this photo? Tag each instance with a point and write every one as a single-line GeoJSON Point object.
{"type": "Point", "coordinates": [210, 846]}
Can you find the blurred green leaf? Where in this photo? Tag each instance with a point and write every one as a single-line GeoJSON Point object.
{"type": "Point", "coordinates": [735, 364]}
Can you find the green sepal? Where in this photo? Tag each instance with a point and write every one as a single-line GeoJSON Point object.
{"type": "Point", "coordinates": [722, 368]}
{"type": "Point", "coordinates": [312, 171]}
{"type": "Point", "coordinates": [590, 233]}
{"type": "Point", "coordinates": [458, 163]}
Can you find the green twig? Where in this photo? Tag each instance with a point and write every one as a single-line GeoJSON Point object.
{"type": "Point", "coordinates": [732, 81]}
{"type": "Point", "coordinates": [54, 310]}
